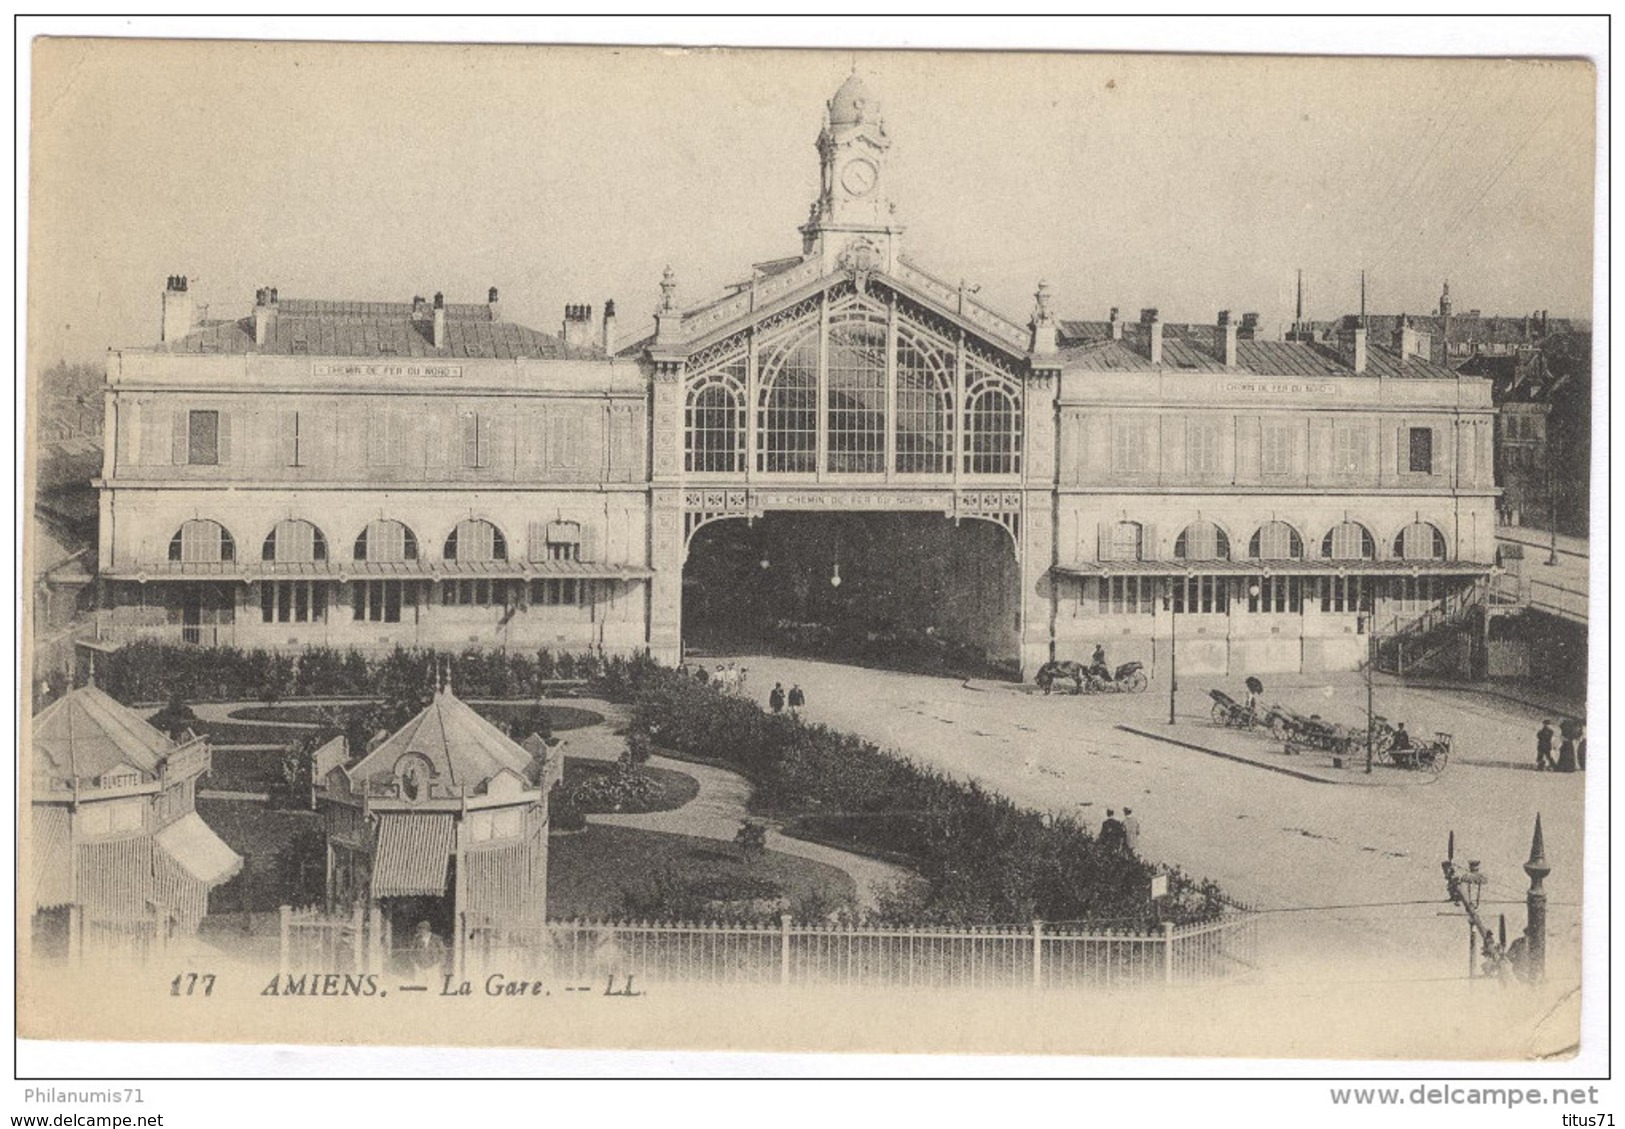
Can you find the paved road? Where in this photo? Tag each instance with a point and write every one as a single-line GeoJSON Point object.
{"type": "Point", "coordinates": [1277, 842]}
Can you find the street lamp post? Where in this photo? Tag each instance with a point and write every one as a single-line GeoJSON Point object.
{"type": "Point", "coordinates": [1370, 691]}
{"type": "Point", "coordinates": [1173, 649]}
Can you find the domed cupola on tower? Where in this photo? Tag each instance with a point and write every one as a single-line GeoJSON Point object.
{"type": "Point", "coordinates": [852, 223]}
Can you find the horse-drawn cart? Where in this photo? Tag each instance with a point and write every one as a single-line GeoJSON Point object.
{"type": "Point", "coordinates": [1430, 756]}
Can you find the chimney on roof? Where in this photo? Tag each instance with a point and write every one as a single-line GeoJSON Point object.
{"type": "Point", "coordinates": [439, 320]}
{"type": "Point", "coordinates": [1409, 342]}
{"type": "Point", "coordinates": [1359, 350]}
{"type": "Point", "coordinates": [1249, 327]}
{"type": "Point", "coordinates": [609, 327]}
{"type": "Point", "coordinates": [493, 305]}
{"type": "Point", "coordinates": [1153, 334]}
{"type": "Point", "coordinates": [180, 312]}
{"type": "Point", "coordinates": [1116, 323]}
{"type": "Point", "coordinates": [1227, 339]}
{"type": "Point", "coordinates": [577, 332]}
{"type": "Point", "coordinates": [264, 314]}
{"type": "Point", "coordinates": [1351, 343]}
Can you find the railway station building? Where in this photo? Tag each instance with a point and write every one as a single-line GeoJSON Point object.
{"type": "Point", "coordinates": [842, 421]}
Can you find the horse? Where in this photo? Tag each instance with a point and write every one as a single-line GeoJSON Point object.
{"type": "Point", "coordinates": [1058, 669]}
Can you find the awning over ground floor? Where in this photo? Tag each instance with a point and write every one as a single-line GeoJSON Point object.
{"type": "Point", "coordinates": [412, 855]}
{"type": "Point", "coordinates": [1273, 568]}
{"type": "Point", "coordinates": [342, 571]}
{"type": "Point", "coordinates": [196, 849]}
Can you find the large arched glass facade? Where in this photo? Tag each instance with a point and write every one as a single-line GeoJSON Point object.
{"type": "Point", "coordinates": [853, 384]}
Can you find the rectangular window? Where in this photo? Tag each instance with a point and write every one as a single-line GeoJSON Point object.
{"type": "Point", "coordinates": [1421, 450]}
{"type": "Point", "coordinates": [293, 601]}
{"type": "Point", "coordinates": [474, 593]}
{"type": "Point", "coordinates": [203, 438]}
{"type": "Point", "coordinates": [1131, 446]}
{"type": "Point", "coordinates": [476, 440]}
{"type": "Point", "coordinates": [1202, 595]}
{"type": "Point", "coordinates": [1350, 451]}
{"type": "Point", "coordinates": [1202, 448]}
{"type": "Point", "coordinates": [1127, 595]}
{"type": "Point", "coordinates": [379, 601]}
{"type": "Point", "coordinates": [384, 438]}
{"type": "Point", "coordinates": [1277, 454]}
{"type": "Point", "coordinates": [293, 453]}
{"type": "Point", "coordinates": [1275, 594]}
{"type": "Point", "coordinates": [553, 592]}
{"type": "Point", "coordinates": [1345, 594]}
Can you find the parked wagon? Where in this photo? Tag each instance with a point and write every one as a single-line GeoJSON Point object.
{"type": "Point", "coordinates": [1228, 711]}
{"type": "Point", "coordinates": [1430, 756]}
{"type": "Point", "coordinates": [1128, 678]}
{"type": "Point", "coordinates": [1298, 731]}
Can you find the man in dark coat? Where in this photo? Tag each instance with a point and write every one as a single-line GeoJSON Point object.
{"type": "Point", "coordinates": [775, 700]}
{"type": "Point", "coordinates": [1113, 835]}
{"type": "Point", "coordinates": [1543, 747]}
{"type": "Point", "coordinates": [797, 698]}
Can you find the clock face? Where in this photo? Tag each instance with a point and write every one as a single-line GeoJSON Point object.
{"type": "Point", "coordinates": [858, 177]}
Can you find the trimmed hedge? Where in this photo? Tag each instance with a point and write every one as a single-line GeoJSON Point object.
{"type": "Point", "coordinates": [147, 671]}
{"type": "Point", "coordinates": [983, 860]}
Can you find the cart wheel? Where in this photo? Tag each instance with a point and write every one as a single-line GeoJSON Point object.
{"type": "Point", "coordinates": [1135, 682]}
{"type": "Point", "coordinates": [1220, 714]}
{"type": "Point", "coordinates": [1440, 759]}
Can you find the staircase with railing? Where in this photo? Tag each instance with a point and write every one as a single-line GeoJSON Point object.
{"type": "Point", "coordinates": [1431, 643]}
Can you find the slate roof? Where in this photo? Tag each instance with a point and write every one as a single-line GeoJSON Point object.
{"type": "Point", "coordinates": [465, 749]}
{"type": "Point", "coordinates": [87, 733]}
{"type": "Point", "coordinates": [1088, 347]}
{"type": "Point", "coordinates": [323, 328]}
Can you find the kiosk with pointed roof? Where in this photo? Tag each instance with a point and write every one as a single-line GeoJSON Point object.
{"type": "Point", "coordinates": [443, 822]}
{"type": "Point", "coordinates": [120, 856]}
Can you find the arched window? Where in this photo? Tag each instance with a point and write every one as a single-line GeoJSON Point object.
{"type": "Point", "coordinates": [857, 393]}
{"type": "Point", "coordinates": [202, 542]}
{"type": "Point", "coordinates": [1275, 541]}
{"type": "Point", "coordinates": [1420, 541]}
{"type": "Point", "coordinates": [787, 420]}
{"type": "Point", "coordinates": [294, 541]}
{"type": "Point", "coordinates": [1348, 541]}
{"type": "Point", "coordinates": [925, 405]}
{"type": "Point", "coordinates": [476, 540]}
{"type": "Point", "coordinates": [385, 540]}
{"type": "Point", "coordinates": [1202, 541]}
{"type": "Point", "coordinates": [992, 422]}
{"type": "Point", "coordinates": [714, 421]}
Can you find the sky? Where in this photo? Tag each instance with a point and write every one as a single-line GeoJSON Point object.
{"type": "Point", "coordinates": [560, 175]}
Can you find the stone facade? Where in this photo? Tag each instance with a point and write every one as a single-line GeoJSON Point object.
{"type": "Point", "coordinates": [845, 378]}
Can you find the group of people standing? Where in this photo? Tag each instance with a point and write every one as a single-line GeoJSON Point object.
{"type": "Point", "coordinates": [1120, 836]}
{"type": "Point", "coordinates": [1571, 752]}
{"type": "Point", "coordinates": [777, 699]}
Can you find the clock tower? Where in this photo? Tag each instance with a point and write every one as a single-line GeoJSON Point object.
{"type": "Point", "coordinates": [851, 223]}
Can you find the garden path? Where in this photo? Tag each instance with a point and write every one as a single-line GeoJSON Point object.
{"type": "Point", "coordinates": [719, 808]}
{"type": "Point", "coordinates": [715, 813]}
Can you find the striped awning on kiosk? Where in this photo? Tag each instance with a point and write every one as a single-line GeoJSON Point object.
{"type": "Point", "coordinates": [413, 854]}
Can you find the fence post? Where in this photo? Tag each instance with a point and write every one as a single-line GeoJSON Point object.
{"type": "Point", "coordinates": [784, 948]}
{"type": "Point", "coordinates": [1038, 953]}
{"type": "Point", "coordinates": [357, 939]}
{"type": "Point", "coordinates": [284, 928]}
{"type": "Point", "coordinates": [375, 938]}
{"type": "Point", "coordinates": [1167, 952]}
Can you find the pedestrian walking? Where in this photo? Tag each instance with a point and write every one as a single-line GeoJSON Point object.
{"type": "Point", "coordinates": [775, 700]}
{"type": "Point", "coordinates": [1565, 753]}
{"type": "Point", "coordinates": [702, 674]}
{"type": "Point", "coordinates": [1131, 831]}
{"type": "Point", "coordinates": [797, 698]}
{"type": "Point", "coordinates": [1113, 835]}
{"type": "Point", "coordinates": [1543, 747]}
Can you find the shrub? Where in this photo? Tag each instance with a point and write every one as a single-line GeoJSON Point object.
{"type": "Point", "coordinates": [563, 812]}
{"type": "Point", "coordinates": [981, 858]}
{"type": "Point", "coordinates": [613, 791]}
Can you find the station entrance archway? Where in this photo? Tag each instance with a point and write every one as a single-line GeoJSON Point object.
{"type": "Point", "coordinates": [908, 590]}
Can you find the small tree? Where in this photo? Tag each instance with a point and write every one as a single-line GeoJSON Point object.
{"type": "Point", "coordinates": [752, 839]}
